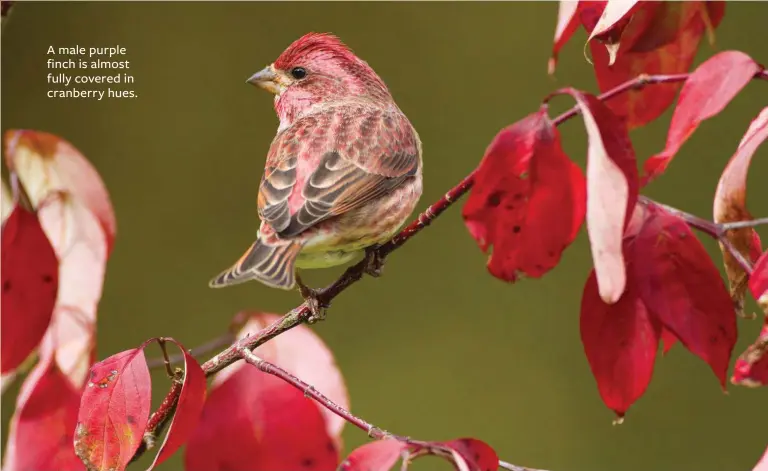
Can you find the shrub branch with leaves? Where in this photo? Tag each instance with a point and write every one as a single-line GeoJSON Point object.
{"type": "Point", "coordinates": [652, 280]}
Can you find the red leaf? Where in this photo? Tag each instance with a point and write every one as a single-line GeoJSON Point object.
{"type": "Point", "coordinates": [755, 247]}
{"type": "Point", "coordinates": [590, 13]}
{"type": "Point", "coordinates": [614, 16]}
{"type": "Point", "coordinates": [48, 164]}
{"type": "Point", "coordinates": [114, 410]}
{"type": "Point", "coordinates": [74, 212]}
{"type": "Point", "coordinates": [751, 368]}
{"type": "Point", "coordinates": [567, 23]}
{"type": "Point", "coordinates": [706, 93]}
{"type": "Point", "coordinates": [620, 341]}
{"type": "Point", "coordinates": [668, 340]}
{"type": "Point", "coordinates": [680, 285]}
{"type": "Point", "coordinates": [252, 420]}
{"type": "Point", "coordinates": [478, 455]}
{"type": "Point", "coordinates": [30, 276]}
{"type": "Point", "coordinates": [716, 12]}
{"type": "Point", "coordinates": [80, 245]}
{"type": "Point", "coordinates": [663, 26]}
{"type": "Point", "coordinates": [758, 282]}
{"type": "Point", "coordinates": [731, 205]}
{"type": "Point", "coordinates": [188, 410]}
{"type": "Point", "coordinates": [638, 107]}
{"type": "Point", "coordinates": [528, 200]}
{"type": "Point", "coordinates": [611, 191]}
{"type": "Point", "coordinates": [614, 19]}
{"type": "Point", "coordinates": [380, 455]}
{"type": "Point", "coordinates": [40, 436]}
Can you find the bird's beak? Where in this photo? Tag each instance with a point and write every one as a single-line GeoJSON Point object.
{"type": "Point", "coordinates": [267, 79]}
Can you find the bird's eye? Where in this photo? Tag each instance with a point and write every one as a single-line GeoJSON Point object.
{"type": "Point", "coordinates": [299, 72]}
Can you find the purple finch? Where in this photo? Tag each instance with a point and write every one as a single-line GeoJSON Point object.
{"type": "Point", "coordinates": [343, 172]}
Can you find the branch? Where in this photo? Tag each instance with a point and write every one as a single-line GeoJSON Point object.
{"type": "Point", "coordinates": [730, 226]}
{"type": "Point", "coordinates": [372, 431]}
{"type": "Point", "coordinates": [354, 273]}
{"type": "Point", "coordinates": [351, 275]}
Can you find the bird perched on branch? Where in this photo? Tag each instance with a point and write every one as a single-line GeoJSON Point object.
{"type": "Point", "coordinates": [342, 174]}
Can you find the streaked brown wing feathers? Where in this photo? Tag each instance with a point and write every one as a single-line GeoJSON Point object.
{"type": "Point", "coordinates": [379, 154]}
{"type": "Point", "coordinates": [275, 191]}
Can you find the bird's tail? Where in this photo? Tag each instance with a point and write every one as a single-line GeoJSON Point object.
{"type": "Point", "coordinates": [272, 265]}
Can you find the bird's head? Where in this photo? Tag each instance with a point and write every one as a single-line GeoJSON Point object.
{"type": "Point", "coordinates": [318, 69]}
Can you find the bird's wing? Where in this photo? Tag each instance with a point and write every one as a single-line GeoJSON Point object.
{"type": "Point", "coordinates": [332, 162]}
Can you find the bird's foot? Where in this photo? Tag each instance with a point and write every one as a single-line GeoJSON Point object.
{"type": "Point", "coordinates": [374, 261]}
{"type": "Point", "coordinates": [312, 300]}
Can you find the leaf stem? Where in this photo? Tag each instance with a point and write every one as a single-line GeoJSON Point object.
{"type": "Point", "coordinates": [729, 226]}
{"type": "Point", "coordinates": [514, 467]}
{"type": "Point", "coordinates": [166, 360]}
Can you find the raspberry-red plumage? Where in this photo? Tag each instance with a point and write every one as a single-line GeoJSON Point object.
{"type": "Point", "coordinates": [342, 173]}
{"type": "Point", "coordinates": [313, 44]}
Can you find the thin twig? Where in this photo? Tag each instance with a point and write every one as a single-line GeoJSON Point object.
{"type": "Point", "coordinates": [166, 360]}
{"type": "Point", "coordinates": [729, 226]}
{"type": "Point", "coordinates": [514, 467]}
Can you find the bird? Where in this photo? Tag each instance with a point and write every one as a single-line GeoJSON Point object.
{"type": "Point", "coordinates": [342, 174]}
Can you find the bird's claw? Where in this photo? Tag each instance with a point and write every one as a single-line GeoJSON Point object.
{"type": "Point", "coordinates": [312, 300]}
{"type": "Point", "coordinates": [318, 311]}
{"type": "Point", "coordinates": [374, 261]}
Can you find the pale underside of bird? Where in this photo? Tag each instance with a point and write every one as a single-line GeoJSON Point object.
{"type": "Point", "coordinates": [342, 174]}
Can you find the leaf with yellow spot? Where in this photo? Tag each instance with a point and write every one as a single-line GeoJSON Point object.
{"type": "Point", "coordinates": [114, 410]}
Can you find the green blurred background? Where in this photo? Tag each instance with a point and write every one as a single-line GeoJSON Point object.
{"type": "Point", "coordinates": [437, 348]}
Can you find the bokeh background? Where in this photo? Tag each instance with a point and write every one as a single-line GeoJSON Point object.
{"type": "Point", "coordinates": [437, 348]}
